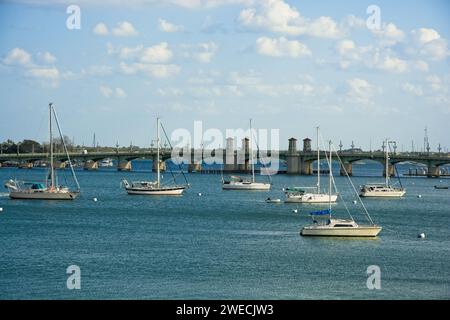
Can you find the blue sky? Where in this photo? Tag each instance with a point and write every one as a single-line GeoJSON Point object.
{"type": "Point", "coordinates": [290, 65]}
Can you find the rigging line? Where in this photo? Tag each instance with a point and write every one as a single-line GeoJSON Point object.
{"type": "Point", "coordinates": [335, 186]}
{"type": "Point", "coordinates": [354, 189]}
{"type": "Point", "coordinates": [65, 149]}
{"type": "Point", "coordinates": [396, 171]}
{"type": "Point", "coordinates": [179, 166]}
{"type": "Point", "coordinates": [260, 160]}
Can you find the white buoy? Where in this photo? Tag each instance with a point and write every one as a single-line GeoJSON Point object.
{"type": "Point", "coordinates": [421, 235]}
{"type": "Point", "coordinates": [295, 211]}
{"type": "Point", "coordinates": [95, 199]}
{"type": "Point", "coordinates": [199, 194]}
{"type": "Point", "coordinates": [354, 202]}
{"type": "Point", "coordinates": [1, 209]}
{"type": "Point", "coordinates": [419, 196]}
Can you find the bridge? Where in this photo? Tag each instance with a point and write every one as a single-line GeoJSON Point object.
{"type": "Point", "coordinates": [297, 162]}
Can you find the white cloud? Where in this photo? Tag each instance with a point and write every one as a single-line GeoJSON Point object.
{"type": "Point", "coordinates": [207, 52]}
{"type": "Point", "coordinates": [430, 43]}
{"type": "Point", "coordinates": [361, 91]}
{"type": "Point", "coordinates": [166, 26]}
{"type": "Point", "coordinates": [159, 53]}
{"type": "Point", "coordinates": [44, 73]}
{"type": "Point", "coordinates": [124, 29]}
{"type": "Point", "coordinates": [130, 53]}
{"type": "Point", "coordinates": [425, 35]}
{"type": "Point", "coordinates": [281, 47]}
{"type": "Point", "coordinates": [389, 34]}
{"type": "Point", "coordinates": [22, 60]}
{"type": "Point", "coordinates": [278, 16]}
{"type": "Point", "coordinates": [436, 49]}
{"type": "Point", "coordinates": [324, 27]}
{"type": "Point", "coordinates": [412, 89]}
{"type": "Point", "coordinates": [153, 70]}
{"type": "Point", "coordinates": [100, 29]}
{"type": "Point", "coordinates": [393, 64]}
{"type": "Point", "coordinates": [46, 57]}
{"type": "Point", "coordinates": [108, 92]}
{"type": "Point", "coordinates": [18, 56]}
{"type": "Point", "coordinates": [120, 93]}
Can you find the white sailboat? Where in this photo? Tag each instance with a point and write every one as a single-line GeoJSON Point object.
{"type": "Point", "coordinates": [237, 183]}
{"type": "Point", "coordinates": [50, 189]}
{"type": "Point", "coordinates": [153, 187]}
{"type": "Point", "coordinates": [330, 227]}
{"type": "Point", "coordinates": [385, 190]}
{"type": "Point", "coordinates": [299, 195]}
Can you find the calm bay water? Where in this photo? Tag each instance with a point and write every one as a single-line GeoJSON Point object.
{"type": "Point", "coordinates": [221, 245]}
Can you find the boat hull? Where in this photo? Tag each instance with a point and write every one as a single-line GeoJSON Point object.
{"type": "Point", "coordinates": [156, 192]}
{"type": "Point", "coordinates": [43, 195]}
{"type": "Point", "coordinates": [246, 186]}
{"type": "Point", "coordinates": [311, 198]}
{"type": "Point", "coordinates": [390, 194]}
{"type": "Point", "coordinates": [361, 231]}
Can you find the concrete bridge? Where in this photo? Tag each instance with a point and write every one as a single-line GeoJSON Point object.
{"type": "Point", "coordinates": [297, 162]}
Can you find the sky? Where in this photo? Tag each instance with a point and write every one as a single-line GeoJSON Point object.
{"type": "Point", "coordinates": [288, 65]}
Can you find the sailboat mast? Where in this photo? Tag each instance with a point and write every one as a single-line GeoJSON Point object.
{"type": "Point", "coordinates": [52, 172]}
{"type": "Point", "coordinates": [329, 179]}
{"type": "Point", "coordinates": [386, 164]}
{"type": "Point", "coordinates": [318, 162]}
{"type": "Point", "coordinates": [251, 152]}
{"type": "Point", "coordinates": [157, 152]}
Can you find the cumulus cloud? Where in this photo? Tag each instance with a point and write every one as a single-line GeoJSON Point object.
{"type": "Point", "coordinates": [159, 53]}
{"type": "Point", "coordinates": [207, 52]}
{"type": "Point", "coordinates": [430, 43]}
{"type": "Point", "coordinates": [153, 70]}
{"type": "Point", "coordinates": [361, 91]}
{"type": "Point", "coordinates": [124, 29]}
{"type": "Point", "coordinates": [18, 56]}
{"type": "Point", "coordinates": [279, 17]}
{"type": "Point", "coordinates": [46, 57]}
{"type": "Point", "coordinates": [101, 29]}
{"type": "Point", "coordinates": [393, 64]}
{"type": "Point", "coordinates": [22, 60]}
{"type": "Point", "coordinates": [166, 26]}
{"type": "Point", "coordinates": [109, 92]}
{"type": "Point", "coordinates": [281, 47]}
{"type": "Point", "coordinates": [389, 34]}
{"type": "Point", "coordinates": [412, 89]}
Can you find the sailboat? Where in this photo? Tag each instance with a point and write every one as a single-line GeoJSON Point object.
{"type": "Point", "coordinates": [153, 187]}
{"type": "Point", "coordinates": [237, 183]}
{"type": "Point", "coordinates": [50, 189]}
{"type": "Point", "coordinates": [299, 195]}
{"type": "Point", "coordinates": [383, 190]}
{"type": "Point", "coordinates": [332, 227]}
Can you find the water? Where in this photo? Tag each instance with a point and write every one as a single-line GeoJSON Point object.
{"type": "Point", "coordinates": [222, 245]}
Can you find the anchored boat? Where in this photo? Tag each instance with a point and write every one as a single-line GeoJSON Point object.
{"type": "Point", "coordinates": [299, 195]}
{"type": "Point", "coordinates": [154, 187]}
{"type": "Point", "coordinates": [385, 190]}
{"type": "Point", "coordinates": [50, 189]}
{"type": "Point", "coordinates": [237, 183]}
{"type": "Point", "coordinates": [326, 226]}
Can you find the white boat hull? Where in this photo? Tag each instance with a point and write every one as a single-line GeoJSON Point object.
{"type": "Point", "coordinates": [246, 186]}
{"type": "Point", "coordinates": [381, 194]}
{"type": "Point", "coordinates": [156, 192]}
{"type": "Point", "coordinates": [324, 231]}
{"type": "Point", "coordinates": [311, 198]}
{"type": "Point", "coordinates": [43, 195]}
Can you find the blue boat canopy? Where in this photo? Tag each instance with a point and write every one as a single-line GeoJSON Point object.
{"type": "Point", "coordinates": [321, 212]}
